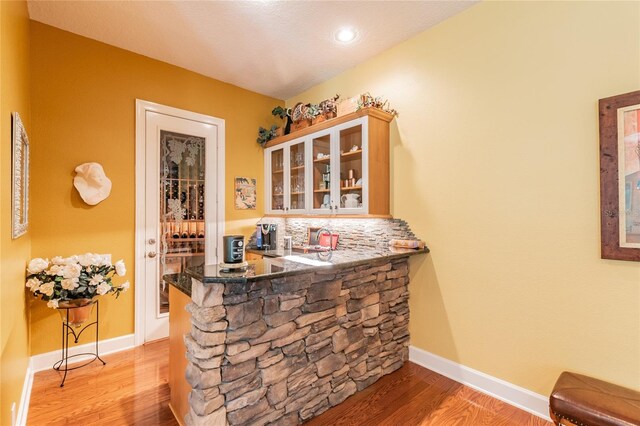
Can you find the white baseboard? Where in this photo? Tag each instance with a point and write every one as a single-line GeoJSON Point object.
{"type": "Point", "coordinates": [23, 409]}
{"type": "Point", "coordinates": [517, 396]}
{"type": "Point", "coordinates": [45, 361]}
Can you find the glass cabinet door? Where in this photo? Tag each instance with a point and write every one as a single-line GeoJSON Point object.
{"type": "Point", "coordinates": [182, 225]}
{"type": "Point", "coordinates": [321, 173]}
{"type": "Point", "coordinates": [352, 171]}
{"type": "Point", "coordinates": [277, 179]}
{"type": "Point", "coordinates": [297, 192]}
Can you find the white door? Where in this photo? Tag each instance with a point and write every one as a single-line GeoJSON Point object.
{"type": "Point", "coordinates": [181, 215]}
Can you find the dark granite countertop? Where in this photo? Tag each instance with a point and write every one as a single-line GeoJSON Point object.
{"type": "Point", "coordinates": [180, 281]}
{"type": "Point", "coordinates": [269, 268]}
{"type": "Point", "coordinates": [267, 253]}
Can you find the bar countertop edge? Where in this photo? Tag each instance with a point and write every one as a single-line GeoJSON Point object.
{"type": "Point", "coordinates": [272, 268]}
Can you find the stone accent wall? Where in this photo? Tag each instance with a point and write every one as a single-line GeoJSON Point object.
{"type": "Point", "coordinates": [354, 233]}
{"type": "Point", "coordinates": [282, 351]}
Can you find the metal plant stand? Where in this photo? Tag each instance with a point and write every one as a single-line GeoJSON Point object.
{"type": "Point", "coordinates": [68, 330]}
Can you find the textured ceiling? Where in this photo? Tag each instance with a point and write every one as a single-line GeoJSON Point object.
{"type": "Point", "coordinates": [277, 48]}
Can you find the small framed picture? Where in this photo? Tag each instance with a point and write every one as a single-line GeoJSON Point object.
{"type": "Point", "coordinates": [245, 193]}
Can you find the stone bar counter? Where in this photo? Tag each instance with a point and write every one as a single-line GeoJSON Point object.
{"type": "Point", "coordinates": [284, 341]}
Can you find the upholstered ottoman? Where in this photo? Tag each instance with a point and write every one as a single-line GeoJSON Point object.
{"type": "Point", "coordinates": [585, 401]}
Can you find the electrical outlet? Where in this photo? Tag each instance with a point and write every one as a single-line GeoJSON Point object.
{"type": "Point", "coordinates": [13, 414]}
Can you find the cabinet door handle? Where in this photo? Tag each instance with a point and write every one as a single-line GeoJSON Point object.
{"type": "Point", "coordinates": [152, 254]}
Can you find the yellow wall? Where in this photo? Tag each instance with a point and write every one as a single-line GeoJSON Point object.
{"type": "Point", "coordinates": [495, 165]}
{"type": "Point", "coordinates": [83, 110]}
{"type": "Point", "coordinates": [14, 254]}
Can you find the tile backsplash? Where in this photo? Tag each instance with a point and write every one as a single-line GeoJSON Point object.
{"type": "Point", "coordinates": [354, 233]}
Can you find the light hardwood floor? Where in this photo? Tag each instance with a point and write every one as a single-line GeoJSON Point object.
{"type": "Point", "coordinates": [414, 396]}
{"type": "Point", "coordinates": [132, 389]}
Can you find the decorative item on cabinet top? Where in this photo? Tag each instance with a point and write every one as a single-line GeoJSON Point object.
{"type": "Point", "coordinates": [368, 101]}
{"type": "Point", "coordinates": [364, 111]}
{"type": "Point", "coordinates": [265, 135]}
{"type": "Point", "coordinates": [297, 118]}
{"type": "Point", "coordinates": [92, 183]}
{"type": "Point", "coordinates": [283, 114]}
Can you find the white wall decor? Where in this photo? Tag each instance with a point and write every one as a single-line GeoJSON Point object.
{"type": "Point", "coordinates": [91, 182]}
{"type": "Point", "coordinates": [20, 178]}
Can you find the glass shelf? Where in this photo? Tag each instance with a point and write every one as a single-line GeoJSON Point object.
{"type": "Point", "coordinates": [277, 179]}
{"type": "Point", "coordinates": [321, 146]}
{"type": "Point", "coordinates": [297, 189]}
{"type": "Point", "coordinates": [351, 166]}
{"type": "Point", "coordinates": [351, 155]}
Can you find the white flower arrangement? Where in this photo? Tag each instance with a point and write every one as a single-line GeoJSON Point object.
{"type": "Point", "coordinates": [76, 277]}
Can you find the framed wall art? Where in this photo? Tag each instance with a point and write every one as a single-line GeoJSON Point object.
{"type": "Point", "coordinates": [19, 177]}
{"type": "Point", "coordinates": [620, 177]}
{"type": "Point", "coordinates": [245, 193]}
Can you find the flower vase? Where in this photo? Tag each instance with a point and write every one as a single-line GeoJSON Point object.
{"type": "Point", "coordinates": [79, 311]}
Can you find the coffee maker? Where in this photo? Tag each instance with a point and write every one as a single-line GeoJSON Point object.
{"type": "Point", "coordinates": [267, 236]}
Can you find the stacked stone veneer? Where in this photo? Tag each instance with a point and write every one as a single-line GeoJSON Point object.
{"type": "Point", "coordinates": [354, 233]}
{"type": "Point", "coordinates": [284, 350]}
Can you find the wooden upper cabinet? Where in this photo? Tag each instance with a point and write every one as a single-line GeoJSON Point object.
{"type": "Point", "coordinates": [339, 167]}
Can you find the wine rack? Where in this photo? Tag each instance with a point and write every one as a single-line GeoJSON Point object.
{"type": "Point", "coordinates": [182, 201]}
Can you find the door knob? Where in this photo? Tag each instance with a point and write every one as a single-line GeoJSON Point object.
{"type": "Point", "coordinates": [152, 254]}
{"type": "Point", "coordinates": [152, 241]}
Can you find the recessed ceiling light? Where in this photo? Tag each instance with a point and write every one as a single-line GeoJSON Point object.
{"type": "Point", "coordinates": [346, 35]}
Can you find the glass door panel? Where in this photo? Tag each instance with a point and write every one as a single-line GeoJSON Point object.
{"type": "Point", "coordinates": [321, 173]}
{"type": "Point", "coordinates": [297, 177]}
{"type": "Point", "coordinates": [351, 168]}
{"type": "Point", "coordinates": [182, 173]}
{"type": "Point", "coordinates": [277, 179]}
